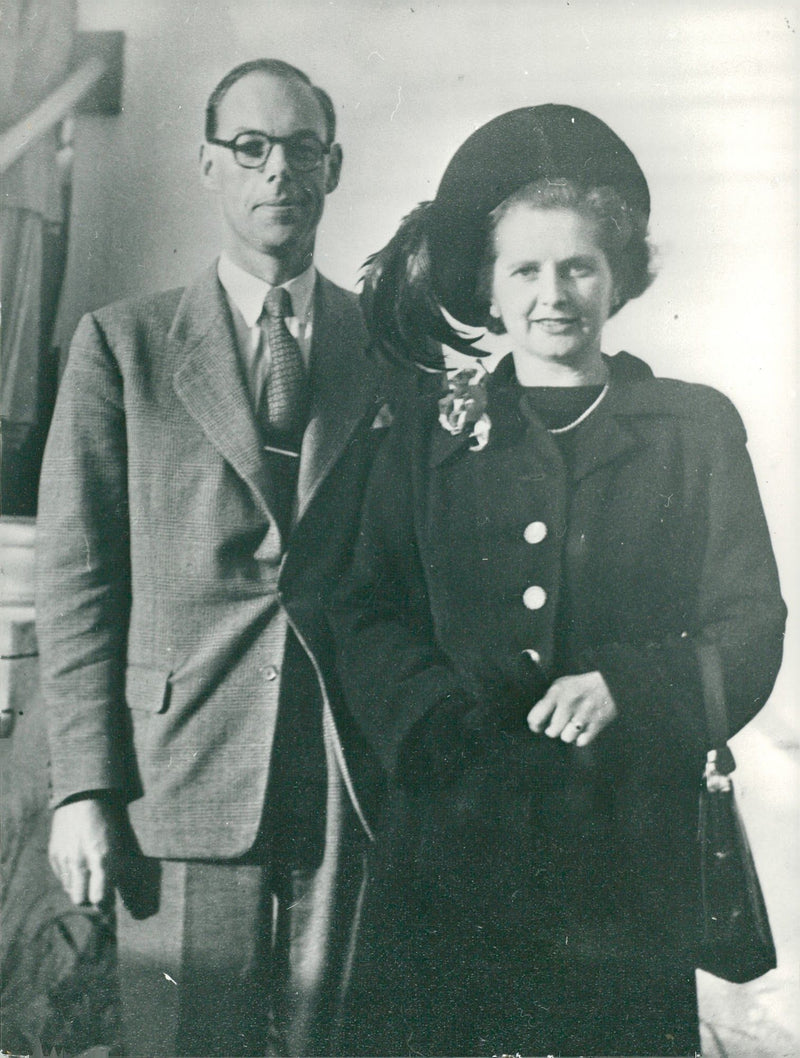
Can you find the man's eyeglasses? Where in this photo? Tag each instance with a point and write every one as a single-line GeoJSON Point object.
{"type": "Point", "coordinates": [303, 151]}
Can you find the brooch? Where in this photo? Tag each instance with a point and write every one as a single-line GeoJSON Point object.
{"type": "Point", "coordinates": [464, 405]}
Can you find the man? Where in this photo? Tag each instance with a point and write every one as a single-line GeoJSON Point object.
{"type": "Point", "coordinates": [198, 502]}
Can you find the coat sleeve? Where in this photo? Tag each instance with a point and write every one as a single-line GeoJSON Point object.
{"type": "Point", "coordinates": [83, 578]}
{"type": "Point", "coordinates": [739, 612]}
{"type": "Point", "coordinates": [392, 671]}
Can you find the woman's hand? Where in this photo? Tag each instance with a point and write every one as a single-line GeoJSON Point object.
{"type": "Point", "coordinates": [574, 709]}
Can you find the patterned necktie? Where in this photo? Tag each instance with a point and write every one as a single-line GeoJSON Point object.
{"type": "Point", "coordinates": [284, 402]}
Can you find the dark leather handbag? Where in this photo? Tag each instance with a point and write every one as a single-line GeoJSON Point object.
{"type": "Point", "coordinates": [737, 942]}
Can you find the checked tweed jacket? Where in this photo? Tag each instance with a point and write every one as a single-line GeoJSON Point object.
{"type": "Point", "coordinates": [166, 590]}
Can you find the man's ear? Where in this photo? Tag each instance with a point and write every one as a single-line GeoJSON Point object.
{"type": "Point", "coordinates": [208, 168]}
{"type": "Point", "coordinates": [334, 168]}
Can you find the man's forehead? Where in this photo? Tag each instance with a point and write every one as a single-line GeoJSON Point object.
{"type": "Point", "coordinates": [271, 103]}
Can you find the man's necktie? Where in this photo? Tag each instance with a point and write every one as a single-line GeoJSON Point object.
{"type": "Point", "coordinates": [284, 403]}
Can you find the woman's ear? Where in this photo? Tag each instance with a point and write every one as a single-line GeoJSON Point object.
{"type": "Point", "coordinates": [494, 322]}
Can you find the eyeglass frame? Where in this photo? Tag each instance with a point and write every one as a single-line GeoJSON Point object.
{"type": "Point", "coordinates": [271, 141]}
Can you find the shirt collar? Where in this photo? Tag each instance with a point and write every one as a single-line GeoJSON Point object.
{"type": "Point", "coordinates": [247, 292]}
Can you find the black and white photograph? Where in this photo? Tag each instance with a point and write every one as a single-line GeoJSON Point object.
{"type": "Point", "coordinates": [398, 520]}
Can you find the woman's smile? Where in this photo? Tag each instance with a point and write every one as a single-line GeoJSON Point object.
{"type": "Point", "coordinates": [556, 324]}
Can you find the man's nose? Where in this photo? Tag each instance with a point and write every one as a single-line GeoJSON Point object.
{"type": "Point", "coordinates": [276, 167]}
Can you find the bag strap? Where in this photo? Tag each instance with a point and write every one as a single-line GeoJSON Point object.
{"type": "Point", "coordinates": [716, 710]}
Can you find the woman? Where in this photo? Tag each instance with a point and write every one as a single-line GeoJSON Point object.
{"type": "Point", "coordinates": [543, 553]}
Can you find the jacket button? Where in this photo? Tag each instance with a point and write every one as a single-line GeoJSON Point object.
{"type": "Point", "coordinates": [535, 532]}
{"type": "Point", "coordinates": [534, 655]}
{"type": "Point", "coordinates": [534, 597]}
{"type": "Point", "coordinates": [270, 673]}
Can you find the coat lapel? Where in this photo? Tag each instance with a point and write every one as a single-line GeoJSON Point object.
{"type": "Point", "coordinates": [603, 439]}
{"type": "Point", "coordinates": [608, 434]}
{"type": "Point", "coordinates": [210, 383]}
{"type": "Point", "coordinates": [506, 420]}
{"type": "Point", "coordinates": [345, 387]}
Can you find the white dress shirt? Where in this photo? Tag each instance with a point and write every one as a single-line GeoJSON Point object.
{"type": "Point", "coordinates": [246, 294]}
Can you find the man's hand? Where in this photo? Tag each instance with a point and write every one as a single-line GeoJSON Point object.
{"type": "Point", "coordinates": [574, 709]}
{"type": "Point", "coordinates": [84, 845]}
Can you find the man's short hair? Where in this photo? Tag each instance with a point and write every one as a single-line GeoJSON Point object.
{"type": "Point", "coordinates": [278, 68]}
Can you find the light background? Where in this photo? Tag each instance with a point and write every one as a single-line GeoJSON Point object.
{"type": "Point", "coordinates": [705, 96]}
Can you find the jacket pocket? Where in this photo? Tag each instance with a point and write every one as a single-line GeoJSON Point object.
{"type": "Point", "coordinates": [147, 689]}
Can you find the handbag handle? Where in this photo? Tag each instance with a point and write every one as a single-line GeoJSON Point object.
{"type": "Point", "coordinates": [716, 710]}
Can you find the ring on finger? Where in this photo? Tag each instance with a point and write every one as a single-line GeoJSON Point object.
{"type": "Point", "coordinates": [577, 725]}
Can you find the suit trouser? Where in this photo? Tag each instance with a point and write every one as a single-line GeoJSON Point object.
{"type": "Point", "coordinates": [242, 958]}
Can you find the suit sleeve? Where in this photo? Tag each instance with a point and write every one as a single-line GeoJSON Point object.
{"type": "Point", "coordinates": [83, 578]}
{"type": "Point", "coordinates": [740, 612]}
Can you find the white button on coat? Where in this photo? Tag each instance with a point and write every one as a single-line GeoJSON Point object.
{"type": "Point", "coordinates": [534, 597]}
{"type": "Point", "coordinates": [535, 532]}
{"type": "Point", "coordinates": [270, 673]}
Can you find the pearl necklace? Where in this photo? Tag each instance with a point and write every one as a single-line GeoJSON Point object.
{"type": "Point", "coordinates": [584, 414]}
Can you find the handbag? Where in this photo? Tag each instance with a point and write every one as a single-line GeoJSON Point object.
{"type": "Point", "coordinates": [737, 942]}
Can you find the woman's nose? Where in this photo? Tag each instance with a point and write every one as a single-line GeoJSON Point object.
{"type": "Point", "coordinates": [550, 286]}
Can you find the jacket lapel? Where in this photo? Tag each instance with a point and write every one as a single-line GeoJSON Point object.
{"type": "Point", "coordinates": [506, 420]}
{"type": "Point", "coordinates": [608, 434]}
{"type": "Point", "coordinates": [603, 439]}
{"type": "Point", "coordinates": [210, 383]}
{"type": "Point", "coordinates": [344, 384]}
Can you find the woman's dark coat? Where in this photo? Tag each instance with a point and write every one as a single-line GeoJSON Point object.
{"type": "Point", "coordinates": [655, 543]}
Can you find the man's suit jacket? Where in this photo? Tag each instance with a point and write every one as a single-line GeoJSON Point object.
{"type": "Point", "coordinates": [165, 587]}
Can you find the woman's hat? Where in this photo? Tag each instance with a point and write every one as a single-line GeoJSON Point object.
{"type": "Point", "coordinates": [533, 143]}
